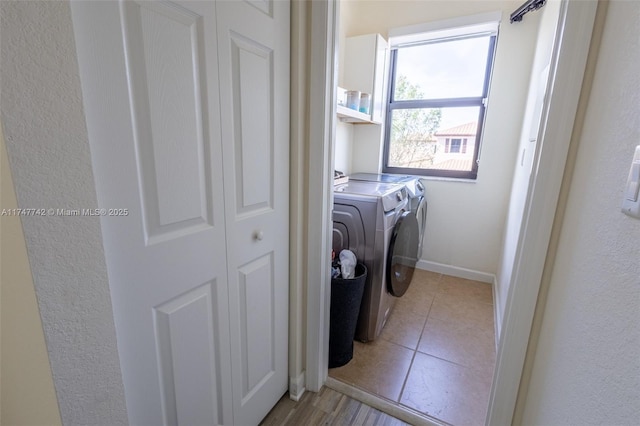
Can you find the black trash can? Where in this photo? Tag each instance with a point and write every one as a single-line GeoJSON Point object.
{"type": "Point", "coordinates": [346, 296]}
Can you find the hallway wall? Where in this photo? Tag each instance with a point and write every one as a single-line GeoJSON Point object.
{"type": "Point", "coordinates": [48, 150]}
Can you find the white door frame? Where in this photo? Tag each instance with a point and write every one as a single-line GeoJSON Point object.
{"type": "Point", "coordinates": [566, 73]}
{"type": "Point", "coordinates": [573, 39]}
{"type": "Point", "coordinates": [322, 116]}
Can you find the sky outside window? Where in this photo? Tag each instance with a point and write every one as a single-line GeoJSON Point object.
{"type": "Point", "coordinates": [446, 70]}
{"type": "Point", "coordinates": [454, 69]}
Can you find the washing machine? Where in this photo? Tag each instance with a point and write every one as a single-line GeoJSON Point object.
{"type": "Point", "coordinates": [415, 190]}
{"type": "Point", "coordinates": [375, 221]}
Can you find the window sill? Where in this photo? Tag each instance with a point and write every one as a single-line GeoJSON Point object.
{"type": "Point", "coordinates": [448, 179]}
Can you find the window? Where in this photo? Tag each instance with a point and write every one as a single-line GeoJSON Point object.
{"type": "Point", "coordinates": [456, 146]}
{"type": "Point", "coordinates": [439, 81]}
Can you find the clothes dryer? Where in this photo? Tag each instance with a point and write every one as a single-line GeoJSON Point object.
{"type": "Point", "coordinates": [374, 220]}
{"type": "Point", "coordinates": [415, 191]}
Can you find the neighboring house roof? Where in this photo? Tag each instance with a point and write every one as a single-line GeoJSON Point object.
{"type": "Point", "coordinates": [454, 164]}
{"type": "Point", "coordinates": [467, 129]}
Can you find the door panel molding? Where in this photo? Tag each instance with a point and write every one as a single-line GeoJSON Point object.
{"type": "Point", "coordinates": [264, 6]}
{"type": "Point", "coordinates": [163, 49]}
{"type": "Point", "coordinates": [253, 88]}
{"type": "Point", "coordinates": [189, 384]}
{"type": "Point", "coordinates": [257, 322]}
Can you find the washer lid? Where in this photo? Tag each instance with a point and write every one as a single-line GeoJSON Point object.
{"type": "Point", "coordinates": [415, 187]}
{"type": "Point", "coordinates": [403, 254]}
{"type": "Point", "coordinates": [367, 187]}
{"type": "Point", "coordinates": [378, 177]}
{"type": "Point", "coordinates": [392, 195]}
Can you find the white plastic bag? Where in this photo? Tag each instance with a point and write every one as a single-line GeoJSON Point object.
{"type": "Point", "coordinates": [348, 264]}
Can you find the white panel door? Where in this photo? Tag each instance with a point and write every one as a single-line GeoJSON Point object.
{"type": "Point", "coordinates": [149, 81]}
{"type": "Point", "coordinates": [198, 271]}
{"type": "Point", "coordinates": [253, 49]}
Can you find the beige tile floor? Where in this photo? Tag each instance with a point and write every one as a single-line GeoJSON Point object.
{"type": "Point", "coordinates": [436, 353]}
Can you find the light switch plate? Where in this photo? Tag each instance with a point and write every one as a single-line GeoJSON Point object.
{"type": "Point", "coordinates": [631, 200]}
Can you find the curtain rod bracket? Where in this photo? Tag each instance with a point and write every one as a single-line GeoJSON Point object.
{"type": "Point", "coordinates": [528, 6]}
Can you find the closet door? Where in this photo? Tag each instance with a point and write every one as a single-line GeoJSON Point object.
{"type": "Point", "coordinates": [198, 272]}
{"type": "Point", "coordinates": [150, 89]}
{"type": "Point", "coordinates": [253, 49]}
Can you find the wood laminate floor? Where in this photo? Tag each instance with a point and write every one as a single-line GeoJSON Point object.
{"type": "Point", "coordinates": [327, 407]}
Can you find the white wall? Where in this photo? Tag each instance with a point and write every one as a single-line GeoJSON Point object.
{"type": "Point", "coordinates": [526, 150]}
{"type": "Point", "coordinates": [465, 220]}
{"type": "Point", "coordinates": [48, 151]}
{"type": "Point", "coordinates": [586, 368]}
{"type": "Point", "coordinates": [343, 147]}
{"type": "Point", "coordinates": [367, 148]}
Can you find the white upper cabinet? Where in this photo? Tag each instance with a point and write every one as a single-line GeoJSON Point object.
{"type": "Point", "coordinates": [365, 69]}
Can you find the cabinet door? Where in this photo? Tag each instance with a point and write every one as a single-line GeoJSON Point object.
{"type": "Point", "coordinates": [380, 78]}
{"type": "Point", "coordinates": [365, 69]}
{"type": "Point", "coordinates": [253, 40]}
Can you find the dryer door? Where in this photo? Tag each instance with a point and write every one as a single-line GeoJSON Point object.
{"type": "Point", "coordinates": [421, 215]}
{"type": "Point", "coordinates": [403, 254]}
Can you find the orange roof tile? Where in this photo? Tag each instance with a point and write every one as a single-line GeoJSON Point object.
{"type": "Point", "coordinates": [467, 129]}
{"type": "Point", "coordinates": [454, 164]}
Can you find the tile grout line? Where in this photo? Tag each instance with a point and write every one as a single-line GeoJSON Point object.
{"type": "Point", "coordinates": [441, 290]}
{"type": "Point", "coordinates": [413, 356]}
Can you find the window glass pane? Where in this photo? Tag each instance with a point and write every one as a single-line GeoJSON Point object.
{"type": "Point", "coordinates": [451, 69]}
{"type": "Point", "coordinates": [433, 138]}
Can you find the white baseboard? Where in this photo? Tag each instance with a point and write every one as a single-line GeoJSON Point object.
{"type": "Point", "coordinates": [297, 387]}
{"type": "Point", "coordinates": [456, 271]}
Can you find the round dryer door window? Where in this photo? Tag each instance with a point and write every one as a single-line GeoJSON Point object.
{"type": "Point", "coordinates": [403, 254]}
